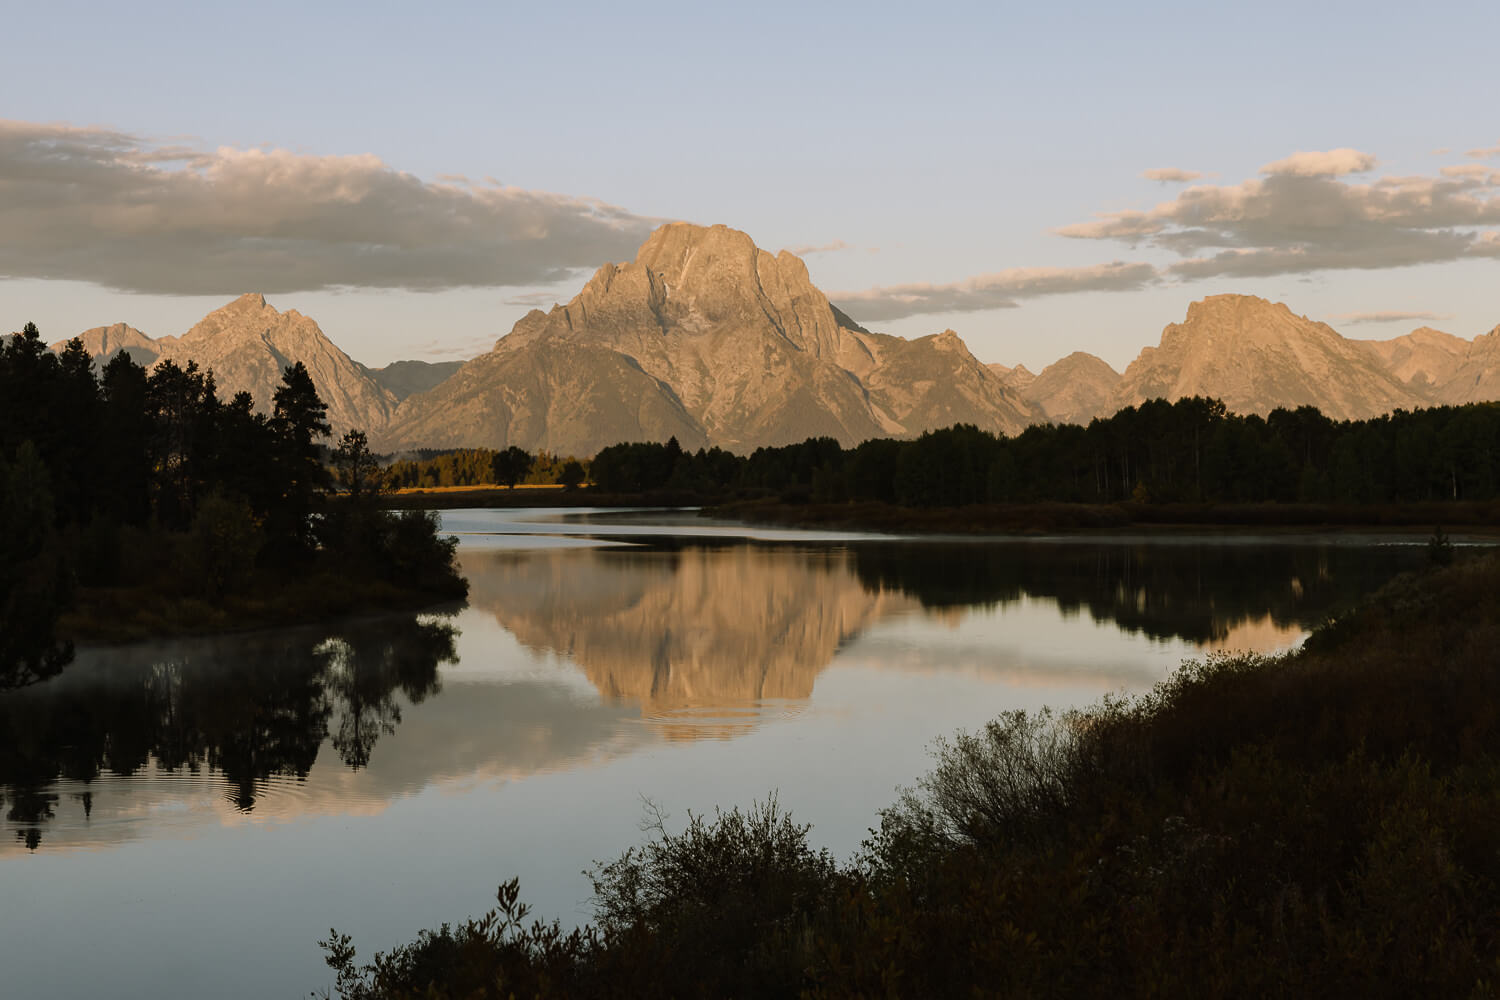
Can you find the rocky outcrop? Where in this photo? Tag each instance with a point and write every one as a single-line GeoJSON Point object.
{"type": "Point", "coordinates": [1256, 356]}
{"type": "Point", "coordinates": [407, 378]}
{"type": "Point", "coordinates": [1074, 390]}
{"type": "Point", "coordinates": [104, 342]}
{"type": "Point", "coordinates": [1421, 360]}
{"type": "Point", "coordinates": [247, 344]}
{"type": "Point", "coordinates": [707, 338]}
{"type": "Point", "coordinates": [1477, 377]}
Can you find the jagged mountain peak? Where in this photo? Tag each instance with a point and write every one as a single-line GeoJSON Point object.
{"type": "Point", "coordinates": [706, 337]}
{"type": "Point", "coordinates": [1257, 355]}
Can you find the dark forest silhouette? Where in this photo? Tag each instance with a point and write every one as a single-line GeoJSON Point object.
{"type": "Point", "coordinates": [148, 486]}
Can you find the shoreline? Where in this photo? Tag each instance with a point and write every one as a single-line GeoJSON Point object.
{"type": "Point", "coordinates": [114, 616]}
{"type": "Point", "coordinates": [1025, 520]}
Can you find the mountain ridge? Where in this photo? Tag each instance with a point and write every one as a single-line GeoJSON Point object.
{"type": "Point", "coordinates": [708, 338]}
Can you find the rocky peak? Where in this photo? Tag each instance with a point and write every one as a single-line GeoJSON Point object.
{"type": "Point", "coordinates": [249, 310]}
{"type": "Point", "coordinates": [1257, 355]}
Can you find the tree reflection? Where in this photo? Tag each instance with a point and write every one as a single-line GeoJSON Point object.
{"type": "Point", "coordinates": [247, 709]}
{"type": "Point", "coordinates": [365, 671]}
{"type": "Point", "coordinates": [1195, 592]}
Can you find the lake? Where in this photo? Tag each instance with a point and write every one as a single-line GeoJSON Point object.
{"type": "Point", "coordinates": [189, 818]}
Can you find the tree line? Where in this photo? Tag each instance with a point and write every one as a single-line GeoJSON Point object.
{"type": "Point", "coordinates": [117, 477]}
{"type": "Point", "coordinates": [1190, 451]}
{"type": "Point", "coordinates": [434, 469]}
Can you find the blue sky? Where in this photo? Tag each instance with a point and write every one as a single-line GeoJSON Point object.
{"type": "Point", "coordinates": [930, 147]}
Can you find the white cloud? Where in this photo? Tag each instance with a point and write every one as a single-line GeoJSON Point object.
{"type": "Point", "coordinates": [1304, 216]}
{"type": "Point", "coordinates": [115, 209]}
{"type": "Point", "coordinates": [991, 291]}
{"type": "Point", "coordinates": [1328, 163]}
{"type": "Point", "coordinates": [1485, 153]}
{"type": "Point", "coordinates": [1171, 175]}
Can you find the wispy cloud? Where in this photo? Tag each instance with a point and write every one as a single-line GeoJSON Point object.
{"type": "Point", "coordinates": [1389, 316]}
{"type": "Point", "coordinates": [1485, 153]}
{"type": "Point", "coordinates": [1304, 215]}
{"type": "Point", "coordinates": [834, 247]}
{"type": "Point", "coordinates": [120, 210]}
{"type": "Point", "coordinates": [1172, 175]}
{"type": "Point", "coordinates": [533, 300]}
{"type": "Point", "coordinates": [1000, 290]}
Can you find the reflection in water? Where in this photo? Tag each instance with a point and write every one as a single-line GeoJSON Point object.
{"type": "Point", "coordinates": [695, 631]}
{"type": "Point", "coordinates": [701, 641]}
{"type": "Point", "coordinates": [1203, 593]}
{"type": "Point", "coordinates": [247, 708]}
{"type": "Point", "coordinates": [696, 628]}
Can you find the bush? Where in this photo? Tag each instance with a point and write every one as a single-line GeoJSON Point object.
{"type": "Point", "coordinates": [222, 544]}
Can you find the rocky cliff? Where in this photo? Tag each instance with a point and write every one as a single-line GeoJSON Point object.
{"type": "Point", "coordinates": [712, 340]}
{"type": "Point", "coordinates": [1256, 356]}
{"type": "Point", "coordinates": [1074, 390]}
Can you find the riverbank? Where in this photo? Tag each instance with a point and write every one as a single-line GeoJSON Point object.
{"type": "Point", "coordinates": [108, 615]}
{"type": "Point", "coordinates": [1282, 825]}
{"type": "Point", "coordinates": [1070, 518]}
{"type": "Point", "coordinates": [153, 584]}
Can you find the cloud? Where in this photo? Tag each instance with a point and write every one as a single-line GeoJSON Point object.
{"type": "Point", "coordinates": [1305, 216]}
{"type": "Point", "coordinates": [115, 209]}
{"type": "Point", "coordinates": [834, 247]}
{"type": "Point", "coordinates": [1171, 175]}
{"type": "Point", "coordinates": [1485, 153]}
{"type": "Point", "coordinates": [992, 291]}
{"type": "Point", "coordinates": [533, 300]}
{"type": "Point", "coordinates": [1389, 316]}
{"type": "Point", "coordinates": [1330, 163]}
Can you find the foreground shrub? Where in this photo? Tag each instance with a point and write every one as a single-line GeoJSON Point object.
{"type": "Point", "coordinates": [1305, 825]}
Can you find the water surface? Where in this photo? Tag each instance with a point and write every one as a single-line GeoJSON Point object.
{"type": "Point", "coordinates": [189, 817]}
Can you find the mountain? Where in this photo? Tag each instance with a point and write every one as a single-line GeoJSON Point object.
{"type": "Point", "coordinates": [407, 378]}
{"type": "Point", "coordinates": [1018, 378]}
{"type": "Point", "coordinates": [1075, 389]}
{"type": "Point", "coordinates": [1256, 356]}
{"type": "Point", "coordinates": [104, 342]}
{"type": "Point", "coordinates": [709, 339]}
{"type": "Point", "coordinates": [247, 344]}
{"type": "Point", "coordinates": [1477, 377]}
{"type": "Point", "coordinates": [1421, 360]}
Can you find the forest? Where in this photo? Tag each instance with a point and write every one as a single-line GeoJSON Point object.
{"type": "Point", "coordinates": [135, 502]}
{"type": "Point", "coordinates": [1190, 451]}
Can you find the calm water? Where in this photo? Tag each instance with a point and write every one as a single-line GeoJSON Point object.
{"type": "Point", "coordinates": [188, 818]}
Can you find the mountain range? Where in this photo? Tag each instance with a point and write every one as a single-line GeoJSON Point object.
{"type": "Point", "coordinates": [706, 337]}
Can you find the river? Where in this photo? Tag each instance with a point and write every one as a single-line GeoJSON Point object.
{"type": "Point", "coordinates": [188, 818]}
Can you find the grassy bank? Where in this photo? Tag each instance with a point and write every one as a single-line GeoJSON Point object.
{"type": "Point", "coordinates": [1049, 518]}
{"type": "Point", "coordinates": [1312, 824]}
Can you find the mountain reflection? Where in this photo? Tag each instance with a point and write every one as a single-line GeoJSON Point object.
{"type": "Point", "coordinates": [702, 641]}
{"type": "Point", "coordinates": [246, 708]}
{"type": "Point", "coordinates": [720, 627]}
{"type": "Point", "coordinates": [705, 626]}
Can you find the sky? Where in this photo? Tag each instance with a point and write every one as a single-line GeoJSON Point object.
{"type": "Point", "coordinates": [1039, 178]}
